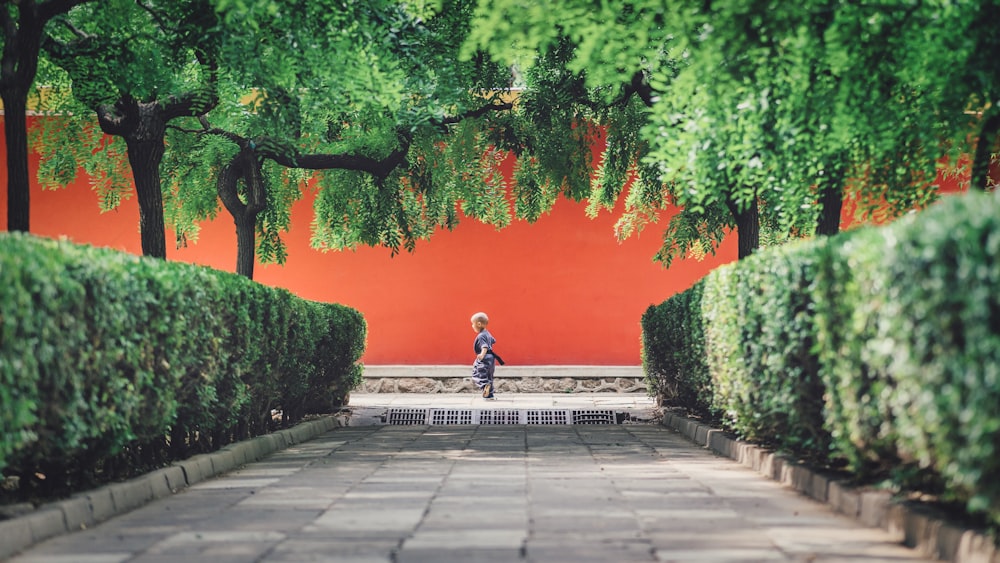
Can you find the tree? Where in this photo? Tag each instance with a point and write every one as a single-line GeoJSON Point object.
{"type": "Point", "coordinates": [787, 107]}
{"type": "Point", "coordinates": [382, 143]}
{"type": "Point", "coordinates": [263, 73]}
{"type": "Point", "coordinates": [955, 69]}
{"type": "Point", "coordinates": [626, 48]}
{"type": "Point", "coordinates": [709, 106]}
{"type": "Point", "coordinates": [23, 25]}
{"type": "Point", "coordinates": [138, 66]}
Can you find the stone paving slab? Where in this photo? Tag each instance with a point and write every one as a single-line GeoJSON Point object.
{"type": "Point", "coordinates": [930, 533]}
{"type": "Point", "coordinates": [481, 493]}
{"type": "Point", "coordinates": [87, 508]}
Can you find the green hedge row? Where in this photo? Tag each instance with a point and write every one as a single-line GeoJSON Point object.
{"type": "Point", "coordinates": [877, 350]}
{"type": "Point", "coordinates": [102, 353]}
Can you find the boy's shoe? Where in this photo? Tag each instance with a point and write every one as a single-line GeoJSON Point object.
{"type": "Point", "coordinates": [488, 391]}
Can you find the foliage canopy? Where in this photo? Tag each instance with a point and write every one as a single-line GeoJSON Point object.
{"type": "Point", "coordinates": [756, 115]}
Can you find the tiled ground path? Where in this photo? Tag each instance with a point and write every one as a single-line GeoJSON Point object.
{"type": "Point", "coordinates": [482, 493]}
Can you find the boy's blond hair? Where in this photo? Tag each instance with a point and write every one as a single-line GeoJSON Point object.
{"type": "Point", "coordinates": [480, 318]}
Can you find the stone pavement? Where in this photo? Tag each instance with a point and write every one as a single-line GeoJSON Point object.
{"type": "Point", "coordinates": [581, 493]}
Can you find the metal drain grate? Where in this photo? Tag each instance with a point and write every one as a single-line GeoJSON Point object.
{"type": "Point", "coordinates": [450, 416]}
{"type": "Point", "coordinates": [594, 417]}
{"type": "Point", "coordinates": [406, 416]}
{"type": "Point", "coordinates": [414, 416]}
{"type": "Point", "coordinates": [547, 417]}
{"type": "Point", "coordinates": [500, 417]}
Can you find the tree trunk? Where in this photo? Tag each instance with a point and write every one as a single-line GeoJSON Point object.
{"type": "Point", "coordinates": [984, 151]}
{"type": "Point", "coordinates": [831, 201]}
{"type": "Point", "coordinates": [22, 40]}
{"type": "Point", "coordinates": [144, 157]}
{"type": "Point", "coordinates": [747, 227]}
{"type": "Point", "coordinates": [18, 181]}
{"type": "Point", "coordinates": [244, 166]}
{"type": "Point", "coordinates": [143, 125]}
{"type": "Point", "coordinates": [246, 241]}
{"type": "Point", "coordinates": [21, 24]}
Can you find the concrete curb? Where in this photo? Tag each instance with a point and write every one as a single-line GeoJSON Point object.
{"type": "Point", "coordinates": [913, 525]}
{"type": "Point", "coordinates": [510, 371]}
{"type": "Point", "coordinates": [437, 379]}
{"type": "Point", "coordinates": [86, 509]}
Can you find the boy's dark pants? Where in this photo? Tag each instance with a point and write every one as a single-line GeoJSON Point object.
{"type": "Point", "coordinates": [482, 371]}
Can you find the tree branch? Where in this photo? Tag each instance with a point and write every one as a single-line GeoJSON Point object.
{"type": "Point", "coordinates": [190, 104]}
{"type": "Point", "coordinates": [286, 155]}
{"type": "Point", "coordinates": [153, 14]}
{"type": "Point", "coordinates": [207, 130]}
{"type": "Point", "coordinates": [82, 35]}
{"type": "Point", "coordinates": [472, 114]}
{"type": "Point", "coordinates": [980, 176]}
{"type": "Point", "coordinates": [48, 9]}
{"type": "Point", "coordinates": [380, 168]}
{"type": "Point", "coordinates": [640, 87]}
{"type": "Point", "coordinates": [85, 44]}
{"type": "Point", "coordinates": [112, 120]}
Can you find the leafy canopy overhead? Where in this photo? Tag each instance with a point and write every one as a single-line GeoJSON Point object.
{"type": "Point", "coordinates": [401, 113]}
{"type": "Point", "coordinates": [789, 105]}
{"type": "Point", "coordinates": [358, 99]}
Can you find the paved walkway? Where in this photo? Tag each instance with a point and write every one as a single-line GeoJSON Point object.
{"type": "Point", "coordinates": [616, 493]}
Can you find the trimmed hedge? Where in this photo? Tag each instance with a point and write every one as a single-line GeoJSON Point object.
{"type": "Point", "coordinates": [877, 350]}
{"type": "Point", "coordinates": [765, 378]}
{"type": "Point", "coordinates": [673, 352]}
{"type": "Point", "coordinates": [939, 337]}
{"type": "Point", "coordinates": [105, 355]}
{"type": "Point", "coordinates": [848, 294]}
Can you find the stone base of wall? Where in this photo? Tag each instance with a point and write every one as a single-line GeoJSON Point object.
{"type": "Point", "coordinates": [520, 379]}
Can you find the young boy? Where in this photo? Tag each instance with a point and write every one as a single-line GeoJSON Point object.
{"type": "Point", "coordinates": [485, 364]}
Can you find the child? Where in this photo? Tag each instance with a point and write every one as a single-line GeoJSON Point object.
{"type": "Point", "coordinates": [485, 364]}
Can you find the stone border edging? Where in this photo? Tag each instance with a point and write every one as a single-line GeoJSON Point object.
{"type": "Point", "coordinates": [928, 534]}
{"type": "Point", "coordinates": [541, 371]}
{"type": "Point", "coordinates": [89, 508]}
{"type": "Point", "coordinates": [509, 379]}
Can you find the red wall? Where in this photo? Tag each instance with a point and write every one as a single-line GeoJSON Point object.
{"type": "Point", "coordinates": [559, 291]}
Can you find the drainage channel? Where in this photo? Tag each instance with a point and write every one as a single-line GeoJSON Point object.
{"type": "Point", "coordinates": [445, 416]}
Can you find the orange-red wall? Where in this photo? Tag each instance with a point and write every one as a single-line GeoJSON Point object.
{"type": "Point", "coordinates": [559, 291]}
